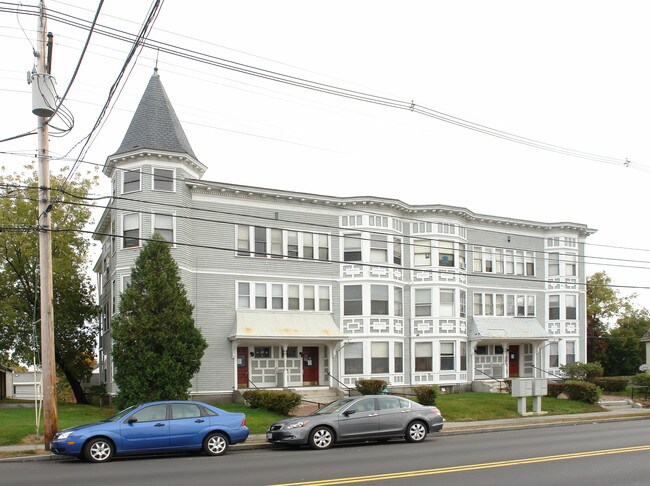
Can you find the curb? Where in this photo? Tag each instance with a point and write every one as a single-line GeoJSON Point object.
{"type": "Point", "coordinates": [257, 443]}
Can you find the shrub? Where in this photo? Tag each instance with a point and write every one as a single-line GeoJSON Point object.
{"type": "Point", "coordinates": [253, 398]}
{"type": "Point", "coordinates": [641, 379]}
{"type": "Point", "coordinates": [507, 385]}
{"type": "Point", "coordinates": [582, 371]}
{"type": "Point", "coordinates": [370, 387]}
{"type": "Point", "coordinates": [555, 389]}
{"type": "Point", "coordinates": [426, 395]}
{"type": "Point", "coordinates": [281, 402]}
{"type": "Point", "coordinates": [612, 383]}
{"type": "Point", "coordinates": [582, 391]}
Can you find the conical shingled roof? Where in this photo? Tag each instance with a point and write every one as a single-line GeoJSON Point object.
{"type": "Point", "coordinates": [155, 125]}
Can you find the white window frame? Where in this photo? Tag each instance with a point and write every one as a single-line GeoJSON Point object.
{"type": "Point", "coordinates": [154, 217]}
{"type": "Point", "coordinates": [132, 171]}
{"type": "Point", "coordinates": [153, 179]}
{"type": "Point", "coordinates": [139, 216]}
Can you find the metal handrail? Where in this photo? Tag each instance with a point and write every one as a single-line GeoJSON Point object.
{"type": "Point", "coordinates": [254, 385]}
{"type": "Point", "coordinates": [548, 372]}
{"type": "Point", "coordinates": [501, 382]}
{"type": "Point", "coordinates": [340, 383]}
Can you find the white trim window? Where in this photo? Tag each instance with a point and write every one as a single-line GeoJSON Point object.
{"type": "Point", "coordinates": [323, 298]}
{"type": "Point", "coordinates": [352, 247]}
{"type": "Point", "coordinates": [131, 180]}
{"type": "Point", "coordinates": [379, 359]}
{"type": "Point", "coordinates": [422, 302]}
{"type": "Point", "coordinates": [353, 358]}
{"type": "Point", "coordinates": [378, 248]}
{"type": "Point", "coordinates": [424, 356]}
{"type": "Point", "coordinates": [164, 179]}
{"type": "Point", "coordinates": [570, 352]}
{"type": "Point", "coordinates": [164, 225]}
{"type": "Point", "coordinates": [131, 230]}
{"type": "Point", "coordinates": [352, 300]}
{"type": "Point", "coordinates": [398, 357]}
{"type": "Point", "coordinates": [421, 253]}
{"type": "Point", "coordinates": [379, 300]}
{"type": "Point", "coordinates": [446, 254]}
{"type": "Point", "coordinates": [244, 295]}
{"type": "Point", "coordinates": [571, 306]}
{"type": "Point", "coordinates": [398, 301]}
{"type": "Point", "coordinates": [553, 356]}
{"type": "Point", "coordinates": [447, 303]}
{"type": "Point", "coordinates": [243, 240]}
{"type": "Point", "coordinates": [447, 356]}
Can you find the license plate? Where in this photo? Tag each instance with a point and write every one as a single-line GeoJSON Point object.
{"type": "Point", "coordinates": [269, 435]}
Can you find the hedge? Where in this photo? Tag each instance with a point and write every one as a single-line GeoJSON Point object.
{"type": "Point", "coordinates": [582, 391]}
{"type": "Point", "coordinates": [612, 383]}
{"type": "Point", "coordinates": [426, 395]}
{"type": "Point", "coordinates": [281, 402]}
{"type": "Point", "coordinates": [555, 389]}
{"type": "Point", "coordinates": [371, 387]}
{"type": "Point", "coordinates": [641, 379]}
{"type": "Point", "coordinates": [582, 371]}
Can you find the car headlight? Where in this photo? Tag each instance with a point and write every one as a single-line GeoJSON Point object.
{"type": "Point", "coordinates": [63, 435]}
{"type": "Point", "coordinates": [297, 425]}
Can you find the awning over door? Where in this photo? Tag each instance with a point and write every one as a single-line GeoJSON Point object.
{"type": "Point", "coordinates": [285, 326]}
{"type": "Point", "coordinates": [507, 329]}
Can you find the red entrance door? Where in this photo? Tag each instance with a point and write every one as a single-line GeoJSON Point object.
{"type": "Point", "coordinates": [310, 366]}
{"type": "Point", "coordinates": [513, 361]}
{"type": "Point", "coordinates": [242, 367]}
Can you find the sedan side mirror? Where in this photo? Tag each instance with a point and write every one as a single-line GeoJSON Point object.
{"type": "Point", "coordinates": [131, 420]}
{"type": "Point", "coordinates": [347, 413]}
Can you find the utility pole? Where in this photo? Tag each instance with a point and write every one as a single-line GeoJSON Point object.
{"type": "Point", "coordinates": [40, 83]}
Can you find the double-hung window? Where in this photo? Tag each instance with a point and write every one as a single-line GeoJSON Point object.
{"type": "Point", "coordinates": [378, 249]}
{"type": "Point", "coordinates": [447, 357]}
{"type": "Point", "coordinates": [422, 302]}
{"type": "Point", "coordinates": [163, 179]}
{"type": "Point", "coordinates": [447, 303]}
{"type": "Point", "coordinates": [352, 300]}
{"type": "Point", "coordinates": [379, 357]}
{"type": "Point", "coordinates": [131, 180]}
{"type": "Point", "coordinates": [353, 358]}
{"type": "Point", "coordinates": [379, 300]}
{"type": "Point", "coordinates": [423, 357]}
{"type": "Point", "coordinates": [243, 241]}
{"type": "Point", "coordinates": [163, 224]}
{"type": "Point", "coordinates": [422, 253]}
{"type": "Point", "coordinates": [571, 306]}
{"type": "Point", "coordinates": [244, 295]}
{"type": "Point", "coordinates": [352, 247]}
{"type": "Point", "coordinates": [553, 307]}
{"type": "Point", "coordinates": [446, 254]}
{"type": "Point", "coordinates": [260, 241]}
{"type": "Point", "coordinates": [131, 230]}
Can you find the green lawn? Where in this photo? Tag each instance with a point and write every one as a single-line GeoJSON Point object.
{"type": "Point", "coordinates": [466, 407]}
{"type": "Point", "coordinates": [18, 423]}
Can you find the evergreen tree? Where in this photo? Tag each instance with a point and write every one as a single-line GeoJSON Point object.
{"type": "Point", "coordinates": [157, 349]}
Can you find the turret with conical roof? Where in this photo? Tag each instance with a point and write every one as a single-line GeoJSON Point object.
{"type": "Point", "coordinates": [155, 125]}
{"type": "Point", "coordinates": [155, 128]}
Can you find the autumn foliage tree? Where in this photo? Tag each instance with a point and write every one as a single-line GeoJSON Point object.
{"type": "Point", "coordinates": [157, 349]}
{"type": "Point", "coordinates": [73, 301]}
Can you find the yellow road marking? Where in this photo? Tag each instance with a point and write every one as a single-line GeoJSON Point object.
{"type": "Point", "coordinates": [468, 467]}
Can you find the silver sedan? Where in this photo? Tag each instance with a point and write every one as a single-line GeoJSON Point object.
{"type": "Point", "coordinates": [369, 417]}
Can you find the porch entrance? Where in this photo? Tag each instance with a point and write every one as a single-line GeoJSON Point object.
{"type": "Point", "coordinates": [513, 360]}
{"type": "Point", "coordinates": [309, 366]}
{"type": "Point", "coordinates": [242, 367]}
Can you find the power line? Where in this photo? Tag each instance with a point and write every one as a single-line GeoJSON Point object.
{"type": "Point", "coordinates": [404, 240]}
{"type": "Point", "coordinates": [330, 89]}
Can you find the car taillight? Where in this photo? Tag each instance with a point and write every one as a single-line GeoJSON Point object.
{"type": "Point", "coordinates": [436, 411]}
{"type": "Point", "coordinates": [243, 422]}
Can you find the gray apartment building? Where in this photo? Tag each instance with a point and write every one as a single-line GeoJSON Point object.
{"type": "Point", "coordinates": [296, 290]}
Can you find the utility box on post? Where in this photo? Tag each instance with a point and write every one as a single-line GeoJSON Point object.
{"type": "Point", "coordinates": [522, 387]}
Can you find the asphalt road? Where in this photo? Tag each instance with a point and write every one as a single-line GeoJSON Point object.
{"type": "Point", "coordinates": [593, 454]}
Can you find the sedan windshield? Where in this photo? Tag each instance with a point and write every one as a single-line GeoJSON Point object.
{"type": "Point", "coordinates": [120, 414]}
{"type": "Point", "coordinates": [334, 407]}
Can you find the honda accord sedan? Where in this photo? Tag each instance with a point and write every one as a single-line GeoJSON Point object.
{"type": "Point", "coordinates": [363, 418]}
{"type": "Point", "coordinates": [154, 427]}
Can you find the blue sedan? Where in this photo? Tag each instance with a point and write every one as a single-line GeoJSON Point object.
{"type": "Point", "coordinates": [154, 427]}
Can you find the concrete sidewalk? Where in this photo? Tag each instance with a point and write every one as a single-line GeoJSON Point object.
{"type": "Point", "coordinates": [258, 441]}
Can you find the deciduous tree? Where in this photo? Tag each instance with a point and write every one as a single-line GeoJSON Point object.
{"type": "Point", "coordinates": [74, 306]}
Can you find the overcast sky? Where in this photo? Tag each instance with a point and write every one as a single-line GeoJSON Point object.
{"type": "Point", "coordinates": [570, 73]}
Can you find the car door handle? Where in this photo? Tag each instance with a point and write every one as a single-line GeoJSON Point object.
{"type": "Point", "coordinates": [159, 425]}
{"type": "Point", "coordinates": [405, 411]}
{"type": "Point", "coordinates": [199, 421]}
{"type": "Point", "coordinates": [373, 415]}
